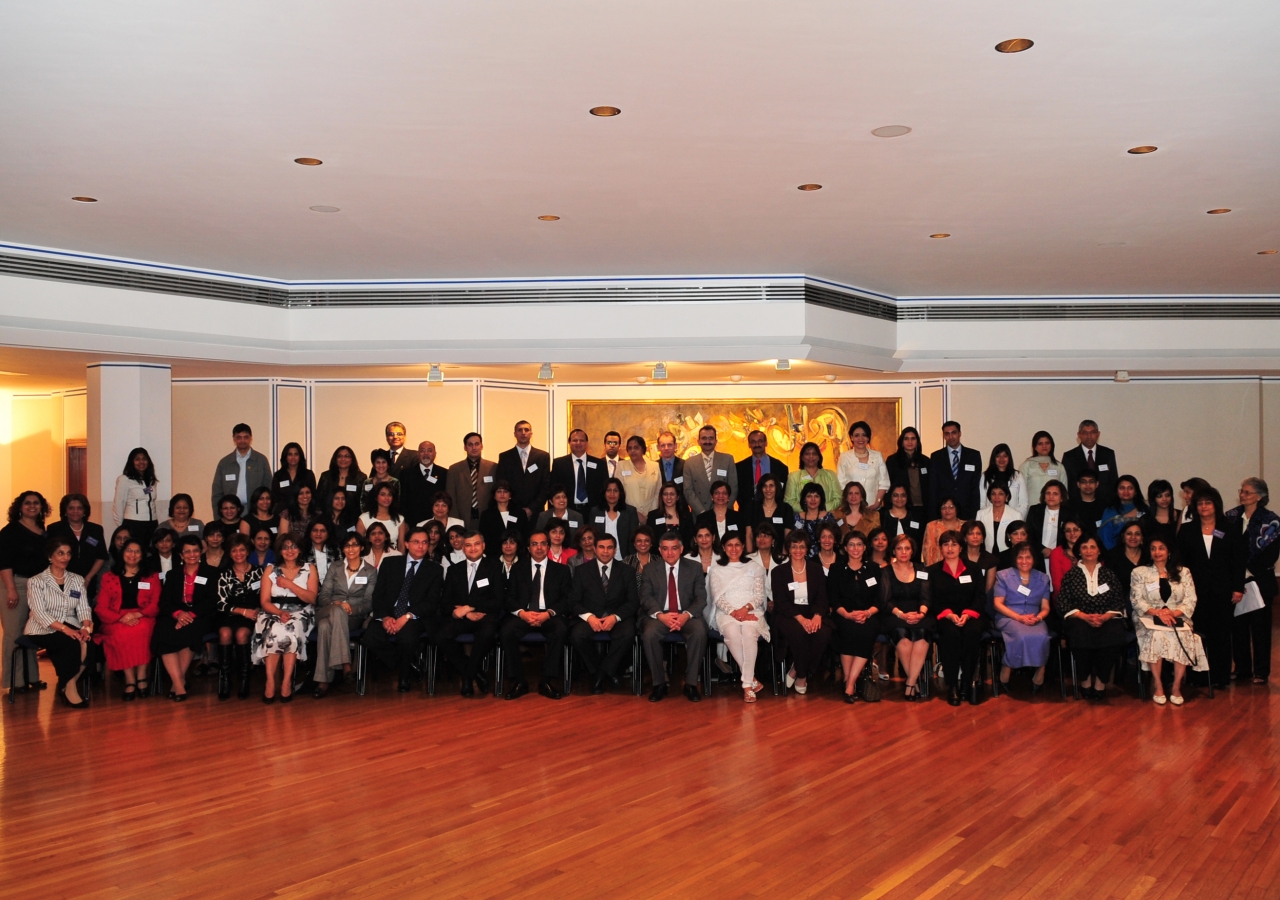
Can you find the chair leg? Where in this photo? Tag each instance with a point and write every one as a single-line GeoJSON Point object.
{"type": "Point", "coordinates": [637, 674]}
{"type": "Point", "coordinates": [13, 670]}
{"type": "Point", "coordinates": [1075, 678]}
{"type": "Point", "coordinates": [1062, 674]}
{"type": "Point", "coordinates": [362, 673]}
{"type": "Point", "coordinates": [497, 671]}
{"type": "Point", "coordinates": [429, 664]}
{"type": "Point", "coordinates": [568, 670]}
{"type": "Point", "coordinates": [773, 668]}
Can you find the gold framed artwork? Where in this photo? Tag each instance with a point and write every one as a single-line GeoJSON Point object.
{"type": "Point", "coordinates": [788, 424]}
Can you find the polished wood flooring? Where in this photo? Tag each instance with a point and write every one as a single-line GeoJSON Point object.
{"type": "Point", "coordinates": [395, 795]}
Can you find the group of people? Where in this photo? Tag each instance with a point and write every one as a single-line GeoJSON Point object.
{"type": "Point", "coordinates": [908, 551]}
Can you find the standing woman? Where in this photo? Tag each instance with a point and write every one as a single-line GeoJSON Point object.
{"type": "Point", "coordinates": [339, 516]}
{"type": "Point", "coordinates": [812, 513]}
{"type": "Point", "coordinates": [260, 517]}
{"type": "Point", "coordinates": [442, 511]}
{"type": "Point", "coordinates": [136, 490]}
{"type": "Point", "coordinates": [905, 601]}
{"type": "Point", "coordinates": [865, 466]}
{"type": "Point", "coordinates": [380, 461]}
{"type": "Point", "coordinates": [959, 600]}
{"type": "Point", "coordinates": [1214, 551]}
{"type": "Point", "coordinates": [973, 535]}
{"type": "Point", "coordinates": [343, 474]}
{"type": "Point", "coordinates": [163, 543]}
{"type": "Point", "coordinates": [180, 521]}
{"type": "Point", "coordinates": [22, 556]}
{"type": "Point", "coordinates": [810, 472]}
{"type": "Point", "coordinates": [1044, 520]}
{"type": "Point", "coordinates": [345, 597]}
{"type": "Point", "coordinates": [909, 467]}
{"type": "Point", "coordinates": [1092, 601]}
{"type": "Point", "coordinates": [1161, 519]}
{"type": "Point", "coordinates": [61, 621]}
{"type": "Point", "coordinates": [1260, 528]}
{"type": "Point", "coordinates": [800, 610]}
{"type": "Point", "coordinates": [501, 515]}
{"type": "Point", "coordinates": [949, 521]}
{"type": "Point", "coordinates": [386, 509]}
{"type": "Point", "coordinates": [898, 518]}
{"type": "Point", "coordinates": [854, 593]}
{"type": "Point", "coordinates": [1163, 596]}
{"type": "Point", "coordinates": [672, 514]}
{"type": "Point", "coordinates": [558, 508]}
{"type": "Point", "coordinates": [996, 516]}
{"type": "Point", "coordinates": [1014, 535]}
{"type": "Point", "coordinates": [1022, 605]}
{"type": "Point", "coordinates": [586, 548]}
{"type": "Point", "coordinates": [1042, 465]}
{"type": "Point", "coordinates": [642, 477]}
{"type": "Point", "coordinates": [722, 519]}
{"type": "Point", "coordinates": [1129, 554]}
{"type": "Point", "coordinates": [127, 605]}
{"type": "Point", "coordinates": [618, 518]}
{"type": "Point", "coordinates": [1064, 555]}
{"type": "Point", "coordinates": [239, 602]}
{"type": "Point", "coordinates": [298, 517]}
{"type": "Point", "coordinates": [1000, 470]}
{"type": "Point", "coordinates": [509, 544]}
{"type": "Point", "coordinates": [735, 588]}
{"type": "Point", "coordinates": [853, 513]}
{"type": "Point", "coordinates": [288, 614]}
{"type": "Point", "coordinates": [88, 541]}
{"type": "Point", "coordinates": [1128, 507]}
{"type": "Point", "coordinates": [188, 609]}
{"type": "Point", "coordinates": [769, 509]}
{"type": "Point", "coordinates": [292, 474]}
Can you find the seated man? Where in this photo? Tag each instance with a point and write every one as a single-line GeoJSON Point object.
{"type": "Point", "coordinates": [406, 601]}
{"type": "Point", "coordinates": [672, 598]}
{"type": "Point", "coordinates": [606, 601]}
{"type": "Point", "coordinates": [474, 600]}
{"type": "Point", "coordinates": [538, 595]}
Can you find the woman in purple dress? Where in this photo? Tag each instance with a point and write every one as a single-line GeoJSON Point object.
{"type": "Point", "coordinates": [1022, 605]}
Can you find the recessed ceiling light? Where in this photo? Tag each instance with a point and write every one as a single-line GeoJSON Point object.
{"type": "Point", "coordinates": [1015, 45]}
{"type": "Point", "coordinates": [308, 161]}
{"type": "Point", "coordinates": [85, 199]}
{"type": "Point", "coordinates": [1268, 252]}
{"type": "Point", "coordinates": [548, 218]}
{"type": "Point", "coordinates": [1219, 212]}
{"type": "Point", "coordinates": [323, 209]}
{"type": "Point", "coordinates": [1145, 148]}
{"type": "Point", "coordinates": [891, 131]}
{"type": "Point", "coordinates": [809, 187]}
{"type": "Point", "coordinates": [940, 234]}
{"type": "Point", "coordinates": [605, 111]}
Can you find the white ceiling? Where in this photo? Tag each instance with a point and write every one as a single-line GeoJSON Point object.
{"type": "Point", "coordinates": [446, 128]}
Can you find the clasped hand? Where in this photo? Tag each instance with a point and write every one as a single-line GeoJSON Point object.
{"type": "Point", "coordinates": [675, 621]}
{"type": "Point", "coordinates": [534, 618]}
{"type": "Point", "coordinates": [185, 619]}
{"type": "Point", "coordinates": [743, 614]}
{"type": "Point", "coordinates": [810, 626]}
{"type": "Point", "coordinates": [605, 624]}
{"type": "Point", "coordinates": [391, 625]}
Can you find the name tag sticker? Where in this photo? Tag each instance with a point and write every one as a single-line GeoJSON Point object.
{"type": "Point", "coordinates": [872, 582]}
{"type": "Point", "coordinates": [1153, 587]}
{"type": "Point", "coordinates": [721, 472]}
{"type": "Point", "coordinates": [777, 520]}
{"type": "Point", "coordinates": [573, 524]}
{"type": "Point", "coordinates": [283, 483]}
{"type": "Point", "coordinates": [1216, 533]}
{"type": "Point", "coordinates": [508, 518]}
{"type": "Point", "coordinates": [200, 579]}
{"type": "Point", "coordinates": [800, 590]}
{"type": "Point", "coordinates": [91, 541]}
{"type": "Point", "coordinates": [256, 586]}
{"type": "Point", "coordinates": [661, 520]}
{"type": "Point", "coordinates": [431, 478]}
{"type": "Point", "coordinates": [923, 576]}
{"type": "Point", "coordinates": [599, 518]}
{"type": "Point", "coordinates": [1053, 472]}
{"type": "Point", "coordinates": [483, 582]}
{"type": "Point", "coordinates": [624, 474]}
{"type": "Point", "coordinates": [230, 477]}
{"type": "Point", "coordinates": [352, 528]}
{"type": "Point", "coordinates": [144, 585]}
{"type": "Point", "coordinates": [863, 465]}
{"type": "Point", "coordinates": [1103, 467]}
{"type": "Point", "coordinates": [1103, 588]}
{"type": "Point", "coordinates": [969, 467]}
{"type": "Point", "coordinates": [679, 479]}
{"type": "Point", "coordinates": [731, 528]}
{"type": "Point", "coordinates": [351, 487]}
{"type": "Point", "coordinates": [915, 524]}
{"type": "Point", "coordinates": [966, 579]}
{"type": "Point", "coordinates": [193, 528]}
{"type": "Point", "coordinates": [369, 487]}
{"type": "Point", "coordinates": [488, 479]}
{"type": "Point", "coordinates": [1024, 590]}
{"type": "Point", "coordinates": [1097, 524]}
{"type": "Point", "coordinates": [591, 465]}
{"type": "Point", "coordinates": [275, 530]}
{"type": "Point", "coordinates": [75, 595]}
{"type": "Point", "coordinates": [924, 470]}
{"type": "Point", "coordinates": [533, 467]}
{"type": "Point", "coordinates": [360, 579]}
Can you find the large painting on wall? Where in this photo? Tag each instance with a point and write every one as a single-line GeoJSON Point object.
{"type": "Point", "coordinates": [787, 423]}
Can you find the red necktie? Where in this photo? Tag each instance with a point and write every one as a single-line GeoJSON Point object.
{"type": "Point", "coordinates": [673, 596]}
{"type": "Point", "coordinates": [757, 471]}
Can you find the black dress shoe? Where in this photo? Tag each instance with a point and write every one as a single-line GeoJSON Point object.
{"type": "Point", "coordinates": [321, 691]}
{"type": "Point", "coordinates": [692, 693]}
{"type": "Point", "coordinates": [33, 686]}
{"type": "Point", "coordinates": [518, 690]}
{"type": "Point", "coordinates": [467, 689]}
{"type": "Point", "coordinates": [265, 699]}
{"type": "Point", "coordinates": [597, 686]}
{"type": "Point", "coordinates": [1036, 688]}
{"type": "Point", "coordinates": [613, 681]}
{"type": "Point", "coordinates": [546, 690]}
{"type": "Point", "coordinates": [482, 683]}
{"type": "Point", "coordinates": [659, 691]}
{"type": "Point", "coordinates": [953, 697]}
{"type": "Point", "coordinates": [851, 698]}
{"type": "Point", "coordinates": [404, 686]}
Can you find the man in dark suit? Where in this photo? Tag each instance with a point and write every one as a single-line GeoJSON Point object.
{"type": "Point", "coordinates": [419, 484]}
{"type": "Point", "coordinates": [670, 466]}
{"type": "Point", "coordinates": [474, 601]}
{"type": "Point", "coordinates": [582, 475]}
{"type": "Point", "coordinates": [605, 600]}
{"type": "Point", "coordinates": [406, 602]}
{"type": "Point", "coordinates": [673, 596]}
{"type": "Point", "coordinates": [528, 471]}
{"type": "Point", "coordinates": [401, 458]}
{"type": "Point", "coordinates": [955, 471]}
{"type": "Point", "coordinates": [538, 597]}
{"type": "Point", "coordinates": [1091, 456]}
{"type": "Point", "coordinates": [471, 481]}
{"type": "Point", "coordinates": [756, 466]}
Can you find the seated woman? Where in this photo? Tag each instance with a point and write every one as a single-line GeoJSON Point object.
{"type": "Point", "coordinates": [380, 464]}
{"type": "Point", "coordinates": [501, 515]}
{"type": "Point", "coordinates": [261, 555]}
{"type": "Point", "coordinates": [1164, 598]}
{"type": "Point", "coordinates": [853, 513]}
{"type": "Point", "coordinates": [379, 543]}
{"type": "Point", "coordinates": [904, 601]}
{"type": "Point", "coordinates": [768, 508]}
{"type": "Point", "coordinates": [735, 588]}
{"type": "Point", "coordinates": [260, 516]}
{"type": "Point", "coordinates": [1092, 603]}
{"type": "Point", "coordinates": [60, 621]}
{"type": "Point", "coordinates": [127, 605]}
{"type": "Point", "coordinates": [829, 550]}
{"type": "Point", "coordinates": [949, 521]}
{"type": "Point", "coordinates": [616, 516]}
{"type": "Point", "coordinates": [442, 511]}
{"type": "Point", "coordinates": [641, 553]}
{"type": "Point", "coordinates": [1129, 506]}
{"type": "Point", "coordinates": [288, 598]}
{"type": "Point", "coordinates": [1021, 605]}
{"type": "Point", "coordinates": [854, 593]}
{"type": "Point", "coordinates": [509, 545]}
{"type": "Point", "coordinates": [239, 593]}
{"type": "Point", "coordinates": [188, 607]}
{"type": "Point", "coordinates": [1016, 534]}
{"type": "Point", "coordinates": [959, 598]}
{"type": "Point", "coordinates": [800, 610]}
{"type": "Point", "coordinates": [181, 510]}
{"type": "Point", "coordinates": [812, 513]}
{"type": "Point", "coordinates": [558, 508]}
{"type": "Point", "coordinates": [721, 517]}
{"type": "Point", "coordinates": [385, 509]}
{"type": "Point", "coordinates": [346, 597]}
{"type": "Point", "coordinates": [323, 549]}
{"type": "Point", "coordinates": [671, 514]}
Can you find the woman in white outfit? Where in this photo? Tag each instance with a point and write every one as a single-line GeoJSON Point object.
{"type": "Point", "coordinates": [863, 465]}
{"type": "Point", "coordinates": [1162, 594]}
{"type": "Point", "coordinates": [641, 477]}
{"type": "Point", "coordinates": [735, 587]}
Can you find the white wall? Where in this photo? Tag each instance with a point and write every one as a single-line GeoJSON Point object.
{"type": "Point", "coordinates": [204, 412]}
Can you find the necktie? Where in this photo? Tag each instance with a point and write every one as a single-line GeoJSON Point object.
{"type": "Point", "coordinates": [706, 464]}
{"type": "Point", "coordinates": [581, 493]}
{"type": "Point", "coordinates": [394, 454]}
{"type": "Point", "coordinates": [1090, 459]}
{"type": "Point", "coordinates": [537, 586]}
{"type": "Point", "coordinates": [604, 578]}
{"type": "Point", "coordinates": [667, 466]}
{"type": "Point", "coordinates": [471, 574]}
{"type": "Point", "coordinates": [475, 491]}
{"type": "Point", "coordinates": [402, 600]}
{"type": "Point", "coordinates": [673, 595]}
{"type": "Point", "coordinates": [955, 463]}
{"type": "Point", "coordinates": [613, 467]}
{"type": "Point", "coordinates": [757, 481]}
{"type": "Point", "coordinates": [524, 459]}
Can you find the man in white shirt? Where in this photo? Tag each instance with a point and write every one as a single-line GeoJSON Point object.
{"type": "Point", "coordinates": [538, 600]}
{"type": "Point", "coordinates": [605, 600]}
{"type": "Point", "coordinates": [419, 484]}
{"type": "Point", "coordinates": [401, 459]}
{"type": "Point", "coordinates": [612, 444]}
{"type": "Point", "coordinates": [528, 470]}
{"type": "Point", "coordinates": [581, 474]}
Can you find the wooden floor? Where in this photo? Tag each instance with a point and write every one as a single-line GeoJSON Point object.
{"type": "Point", "coordinates": [407, 796]}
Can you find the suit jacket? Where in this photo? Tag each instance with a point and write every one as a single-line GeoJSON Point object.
{"type": "Point", "coordinates": [557, 587]}
{"type": "Point", "coordinates": [406, 460]}
{"type": "Point", "coordinates": [697, 489]}
{"type": "Point", "coordinates": [360, 596]}
{"type": "Point", "coordinates": [1216, 575]}
{"type": "Point", "coordinates": [488, 593]}
{"type": "Point", "coordinates": [628, 522]}
{"type": "Point", "coordinates": [690, 584]}
{"type": "Point", "coordinates": [746, 470]}
{"type": "Point", "coordinates": [529, 490]}
{"type": "Point", "coordinates": [1104, 459]}
{"type": "Point", "coordinates": [677, 472]}
{"type": "Point", "coordinates": [459, 487]}
{"type": "Point", "coordinates": [1035, 528]}
{"type": "Point", "coordinates": [784, 599]}
{"type": "Point", "coordinates": [257, 473]}
{"type": "Point", "coordinates": [965, 488]}
{"type": "Point", "coordinates": [589, 596]}
{"type": "Point", "coordinates": [424, 592]}
{"type": "Point", "coordinates": [563, 473]}
{"type": "Point", "coordinates": [417, 491]}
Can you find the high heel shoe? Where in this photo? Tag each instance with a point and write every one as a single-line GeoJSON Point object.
{"type": "Point", "coordinates": [1036, 688]}
{"type": "Point", "coordinates": [144, 688]}
{"type": "Point", "coordinates": [84, 701]}
{"type": "Point", "coordinates": [130, 693]}
{"type": "Point", "coordinates": [268, 700]}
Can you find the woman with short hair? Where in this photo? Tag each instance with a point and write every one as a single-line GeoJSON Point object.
{"type": "Point", "coordinates": [862, 465]}
{"type": "Point", "coordinates": [378, 540]}
{"type": "Point", "coordinates": [182, 516]}
{"type": "Point", "coordinates": [379, 474]}
{"type": "Point", "coordinates": [641, 477]}
{"type": "Point", "coordinates": [188, 607]}
{"type": "Point", "coordinates": [811, 513]}
{"type": "Point", "coordinates": [502, 514]}
{"type": "Point", "coordinates": [288, 614]}
{"type": "Point", "coordinates": [801, 610]}
{"type": "Point", "coordinates": [346, 597]}
{"type": "Point", "coordinates": [959, 599]}
{"type": "Point", "coordinates": [810, 472]}
{"type": "Point", "coordinates": [1215, 553]}
{"type": "Point", "coordinates": [996, 515]}
{"type": "Point", "coordinates": [1251, 631]}
{"type": "Point", "coordinates": [722, 518]}
{"type": "Point", "coordinates": [1092, 601]}
{"type": "Point", "coordinates": [948, 520]}
{"type": "Point", "coordinates": [61, 622]}
{"type": "Point", "coordinates": [558, 508]}
{"type": "Point", "coordinates": [1022, 604]}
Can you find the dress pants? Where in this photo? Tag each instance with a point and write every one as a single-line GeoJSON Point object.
{"type": "Point", "coordinates": [484, 633]}
{"type": "Point", "coordinates": [959, 648]}
{"type": "Point", "coordinates": [695, 648]}
{"type": "Point", "coordinates": [14, 621]}
{"type": "Point", "coordinates": [514, 629]}
{"type": "Point", "coordinates": [398, 651]}
{"type": "Point", "coordinates": [333, 639]}
{"type": "Point", "coordinates": [1214, 621]}
{"type": "Point", "coordinates": [585, 645]}
{"type": "Point", "coordinates": [743, 641]}
{"type": "Point", "coordinates": [65, 652]}
{"type": "Point", "coordinates": [1251, 643]}
{"type": "Point", "coordinates": [806, 649]}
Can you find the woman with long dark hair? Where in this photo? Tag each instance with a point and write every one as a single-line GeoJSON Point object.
{"type": "Point", "coordinates": [292, 474]}
{"type": "Point", "coordinates": [1163, 597]}
{"type": "Point", "coordinates": [22, 557]}
{"type": "Point", "coordinates": [810, 472]}
{"type": "Point", "coordinates": [909, 467]}
{"type": "Point", "coordinates": [1211, 546]}
{"type": "Point", "coordinates": [1001, 470]}
{"type": "Point", "coordinates": [136, 491]}
{"type": "Point", "coordinates": [1042, 466]}
{"type": "Point", "coordinates": [88, 541]}
{"type": "Point", "coordinates": [1129, 506]}
{"type": "Point", "coordinates": [343, 474]}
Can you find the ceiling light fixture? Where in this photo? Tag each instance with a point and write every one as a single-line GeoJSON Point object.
{"type": "Point", "coordinates": [85, 199]}
{"type": "Point", "coordinates": [660, 372]}
{"type": "Point", "coordinates": [325, 209]}
{"type": "Point", "coordinates": [1015, 45]}
{"type": "Point", "coordinates": [1267, 252]}
{"type": "Point", "coordinates": [940, 235]}
{"type": "Point", "coordinates": [1145, 148]}
{"type": "Point", "coordinates": [783, 365]}
{"type": "Point", "coordinates": [1218, 212]}
{"type": "Point", "coordinates": [735, 378]}
{"type": "Point", "coordinates": [548, 218]}
{"type": "Point", "coordinates": [828, 378]}
{"type": "Point", "coordinates": [891, 131]}
{"type": "Point", "coordinates": [434, 375]}
{"type": "Point", "coordinates": [545, 373]}
{"type": "Point", "coordinates": [1122, 376]}
{"type": "Point", "coordinates": [641, 379]}
{"type": "Point", "coordinates": [605, 111]}
{"type": "Point", "coordinates": [809, 187]}
{"type": "Point", "coordinates": [308, 161]}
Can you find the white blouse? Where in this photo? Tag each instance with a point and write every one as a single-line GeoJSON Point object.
{"type": "Point", "coordinates": [873, 475]}
{"type": "Point", "coordinates": [735, 586]}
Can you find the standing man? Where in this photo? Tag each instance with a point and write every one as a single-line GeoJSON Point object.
{"type": "Point", "coordinates": [538, 597]}
{"type": "Point", "coordinates": [581, 474]}
{"type": "Point", "coordinates": [474, 599]}
{"type": "Point", "coordinates": [471, 482]}
{"type": "Point", "coordinates": [528, 471]}
{"type": "Point", "coordinates": [955, 471]}
{"type": "Point", "coordinates": [706, 469]}
{"type": "Point", "coordinates": [1092, 456]}
{"type": "Point", "coordinates": [672, 598]}
{"type": "Point", "coordinates": [419, 484]}
{"type": "Point", "coordinates": [240, 472]}
{"type": "Point", "coordinates": [406, 601]}
{"type": "Point", "coordinates": [401, 458]}
{"type": "Point", "coordinates": [612, 444]}
{"type": "Point", "coordinates": [756, 466]}
{"type": "Point", "coordinates": [605, 600]}
{"type": "Point", "coordinates": [670, 466]}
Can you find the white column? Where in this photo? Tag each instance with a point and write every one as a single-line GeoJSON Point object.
{"type": "Point", "coordinates": [129, 405]}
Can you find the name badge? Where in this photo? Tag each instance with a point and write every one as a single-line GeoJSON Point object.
{"type": "Point", "coordinates": [969, 467]}
{"type": "Point", "coordinates": [1103, 588]}
{"type": "Point", "coordinates": [483, 582]}
{"type": "Point", "coordinates": [872, 582]}
{"type": "Point", "coordinates": [573, 524]}
{"type": "Point", "coordinates": [508, 518]}
{"type": "Point", "coordinates": [1153, 587]}
{"type": "Point", "coordinates": [193, 528]}
{"type": "Point", "coordinates": [352, 528]}
{"type": "Point", "coordinates": [923, 576]}
{"type": "Point", "coordinates": [915, 524]}
{"type": "Point", "coordinates": [1216, 533]}
{"type": "Point", "coordinates": [731, 528]}
{"type": "Point", "coordinates": [1024, 590]}
{"type": "Point", "coordinates": [230, 477]}
{"type": "Point", "coordinates": [533, 467]}
{"type": "Point", "coordinates": [144, 585]}
{"type": "Point", "coordinates": [200, 579]}
{"type": "Point", "coordinates": [275, 530]}
{"type": "Point", "coordinates": [777, 520]}
{"type": "Point", "coordinates": [623, 474]}
{"type": "Point", "coordinates": [1053, 472]}
{"type": "Point", "coordinates": [368, 487]}
{"type": "Point", "coordinates": [488, 479]}
{"type": "Point", "coordinates": [256, 586]}
{"type": "Point", "coordinates": [1103, 467]}
{"type": "Point", "coordinates": [965, 579]}
{"type": "Point", "coordinates": [591, 465]}
{"type": "Point", "coordinates": [351, 487]}
{"type": "Point", "coordinates": [1097, 524]}
{"type": "Point", "coordinates": [92, 542]}
{"type": "Point", "coordinates": [600, 518]}
{"type": "Point", "coordinates": [721, 472]}
{"type": "Point", "coordinates": [431, 478]}
{"type": "Point", "coordinates": [924, 470]}
{"type": "Point", "coordinates": [360, 579]}
{"type": "Point", "coordinates": [283, 483]}
{"type": "Point", "coordinates": [679, 479]}
{"type": "Point", "coordinates": [661, 520]}
{"type": "Point", "coordinates": [75, 595]}
{"type": "Point", "coordinates": [863, 465]}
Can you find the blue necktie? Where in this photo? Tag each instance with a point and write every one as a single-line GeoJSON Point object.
{"type": "Point", "coordinates": [402, 601]}
{"type": "Point", "coordinates": [582, 483]}
{"type": "Point", "coordinates": [955, 463]}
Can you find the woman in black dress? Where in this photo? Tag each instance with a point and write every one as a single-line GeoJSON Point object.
{"type": "Point", "coordinates": [768, 507]}
{"type": "Point", "coordinates": [1092, 601]}
{"type": "Point", "coordinates": [260, 516]}
{"type": "Point", "coordinates": [188, 607]}
{"type": "Point", "coordinates": [22, 557]}
{"type": "Point", "coordinates": [671, 514]}
{"type": "Point", "coordinates": [909, 467]}
{"type": "Point", "coordinates": [905, 601]}
{"type": "Point", "coordinates": [292, 474]}
{"type": "Point", "coordinates": [853, 592]}
{"type": "Point", "coordinates": [959, 602]}
{"type": "Point", "coordinates": [1129, 552]}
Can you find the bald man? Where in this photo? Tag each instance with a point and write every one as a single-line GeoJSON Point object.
{"type": "Point", "coordinates": [419, 483]}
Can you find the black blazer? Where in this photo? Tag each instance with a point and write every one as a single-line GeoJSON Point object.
{"type": "Point", "coordinates": [488, 592]}
{"type": "Point", "coordinates": [406, 459]}
{"type": "Point", "coordinates": [947, 593]}
{"type": "Point", "coordinates": [784, 600]}
{"type": "Point", "coordinates": [913, 526]}
{"type": "Point", "coordinates": [621, 600]}
{"type": "Point", "coordinates": [557, 587]}
{"type": "Point", "coordinates": [492, 526]}
{"type": "Point", "coordinates": [91, 547]}
{"type": "Point", "coordinates": [204, 599]}
{"type": "Point", "coordinates": [529, 490]}
{"type": "Point", "coordinates": [424, 593]}
{"type": "Point", "coordinates": [417, 491]}
{"type": "Point", "coordinates": [1217, 575]}
{"type": "Point", "coordinates": [562, 473]}
{"type": "Point", "coordinates": [734, 523]}
{"type": "Point", "coordinates": [747, 476]}
{"type": "Point", "coordinates": [1105, 460]}
{"type": "Point", "coordinates": [964, 488]}
{"type": "Point", "coordinates": [677, 473]}
{"type": "Point", "coordinates": [898, 467]}
{"type": "Point", "coordinates": [628, 522]}
{"type": "Point", "coordinates": [282, 495]}
{"type": "Point", "coordinates": [660, 528]}
{"type": "Point", "coordinates": [1035, 528]}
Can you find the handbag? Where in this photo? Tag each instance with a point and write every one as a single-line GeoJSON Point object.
{"type": "Point", "coordinates": [870, 685]}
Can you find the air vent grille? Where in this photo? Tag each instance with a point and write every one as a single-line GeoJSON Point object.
{"type": "Point", "coordinates": [863, 306]}
{"type": "Point", "coordinates": [960, 311]}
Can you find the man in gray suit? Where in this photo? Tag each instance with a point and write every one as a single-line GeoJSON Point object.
{"type": "Point", "coordinates": [241, 472]}
{"type": "Point", "coordinates": [470, 482]}
{"type": "Point", "coordinates": [705, 469]}
{"type": "Point", "coordinates": [672, 597]}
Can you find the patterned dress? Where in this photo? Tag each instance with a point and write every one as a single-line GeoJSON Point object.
{"type": "Point", "coordinates": [270, 635]}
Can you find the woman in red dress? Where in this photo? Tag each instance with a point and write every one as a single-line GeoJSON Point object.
{"type": "Point", "coordinates": [127, 605]}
